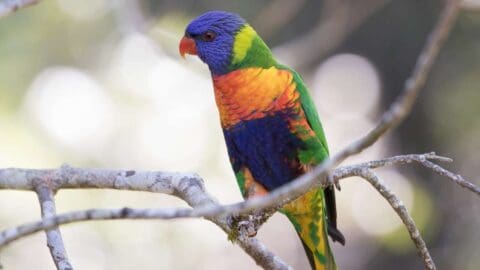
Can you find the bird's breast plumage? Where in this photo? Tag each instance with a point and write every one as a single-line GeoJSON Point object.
{"type": "Point", "coordinates": [264, 125]}
{"type": "Point", "coordinates": [254, 93]}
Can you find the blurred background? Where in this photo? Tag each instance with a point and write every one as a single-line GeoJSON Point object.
{"type": "Point", "coordinates": [99, 83]}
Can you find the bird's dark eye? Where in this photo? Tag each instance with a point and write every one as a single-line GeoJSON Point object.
{"type": "Point", "coordinates": [208, 36]}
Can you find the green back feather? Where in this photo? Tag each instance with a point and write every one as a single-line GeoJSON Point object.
{"type": "Point", "coordinates": [310, 110]}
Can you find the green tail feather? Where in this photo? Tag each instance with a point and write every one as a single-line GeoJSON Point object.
{"type": "Point", "coordinates": [308, 216]}
{"type": "Point", "coordinates": [325, 263]}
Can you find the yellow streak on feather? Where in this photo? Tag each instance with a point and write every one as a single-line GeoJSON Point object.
{"type": "Point", "coordinates": [243, 42]}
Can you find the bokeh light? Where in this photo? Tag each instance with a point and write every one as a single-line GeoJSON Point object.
{"type": "Point", "coordinates": [71, 107]}
{"type": "Point", "coordinates": [473, 4]}
{"type": "Point", "coordinates": [85, 10]}
{"type": "Point", "coordinates": [372, 213]}
{"type": "Point", "coordinates": [347, 84]}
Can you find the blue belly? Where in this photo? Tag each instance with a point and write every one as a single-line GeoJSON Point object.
{"type": "Point", "coordinates": [267, 148]}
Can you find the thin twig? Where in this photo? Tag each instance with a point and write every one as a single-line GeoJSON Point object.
{"type": "Point", "coordinates": [54, 237]}
{"type": "Point", "coordinates": [423, 159]}
{"type": "Point", "coordinates": [404, 159]}
{"type": "Point", "coordinates": [9, 6]}
{"type": "Point", "coordinates": [458, 179]}
{"type": "Point", "coordinates": [48, 223]}
{"type": "Point", "coordinates": [402, 212]}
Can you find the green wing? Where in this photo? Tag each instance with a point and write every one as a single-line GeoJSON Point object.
{"type": "Point", "coordinates": [310, 110]}
{"type": "Point", "coordinates": [314, 122]}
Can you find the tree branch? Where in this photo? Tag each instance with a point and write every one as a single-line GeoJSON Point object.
{"type": "Point", "coordinates": [188, 187]}
{"type": "Point", "coordinates": [54, 237]}
{"type": "Point", "coordinates": [424, 160]}
{"type": "Point", "coordinates": [402, 212]}
{"type": "Point", "coordinates": [456, 178]}
{"type": "Point", "coordinates": [9, 6]}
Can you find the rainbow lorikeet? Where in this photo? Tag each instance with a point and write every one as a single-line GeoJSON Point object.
{"type": "Point", "coordinates": [270, 124]}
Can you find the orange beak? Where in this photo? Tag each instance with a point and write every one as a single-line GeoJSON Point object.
{"type": "Point", "coordinates": [187, 46]}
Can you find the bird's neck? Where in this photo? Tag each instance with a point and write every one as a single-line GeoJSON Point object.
{"type": "Point", "coordinates": [249, 51]}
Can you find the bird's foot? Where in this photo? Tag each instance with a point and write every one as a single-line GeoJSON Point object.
{"type": "Point", "coordinates": [246, 226]}
{"type": "Point", "coordinates": [334, 181]}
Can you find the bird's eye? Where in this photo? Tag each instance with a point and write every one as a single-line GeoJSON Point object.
{"type": "Point", "coordinates": [209, 36]}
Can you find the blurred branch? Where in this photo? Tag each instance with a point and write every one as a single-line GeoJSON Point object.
{"type": "Point", "coordinates": [472, 5]}
{"type": "Point", "coordinates": [54, 237]}
{"type": "Point", "coordinates": [338, 20]}
{"type": "Point", "coordinates": [9, 6]}
{"type": "Point", "coordinates": [268, 20]}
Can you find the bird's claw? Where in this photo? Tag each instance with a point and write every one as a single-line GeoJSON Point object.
{"type": "Point", "coordinates": [246, 226]}
{"type": "Point", "coordinates": [334, 182]}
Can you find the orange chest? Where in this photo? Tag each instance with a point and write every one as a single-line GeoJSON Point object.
{"type": "Point", "coordinates": [254, 93]}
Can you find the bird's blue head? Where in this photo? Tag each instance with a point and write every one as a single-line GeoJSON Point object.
{"type": "Point", "coordinates": [211, 36]}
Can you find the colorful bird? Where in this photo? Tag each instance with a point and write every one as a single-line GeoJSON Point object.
{"type": "Point", "coordinates": [270, 124]}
